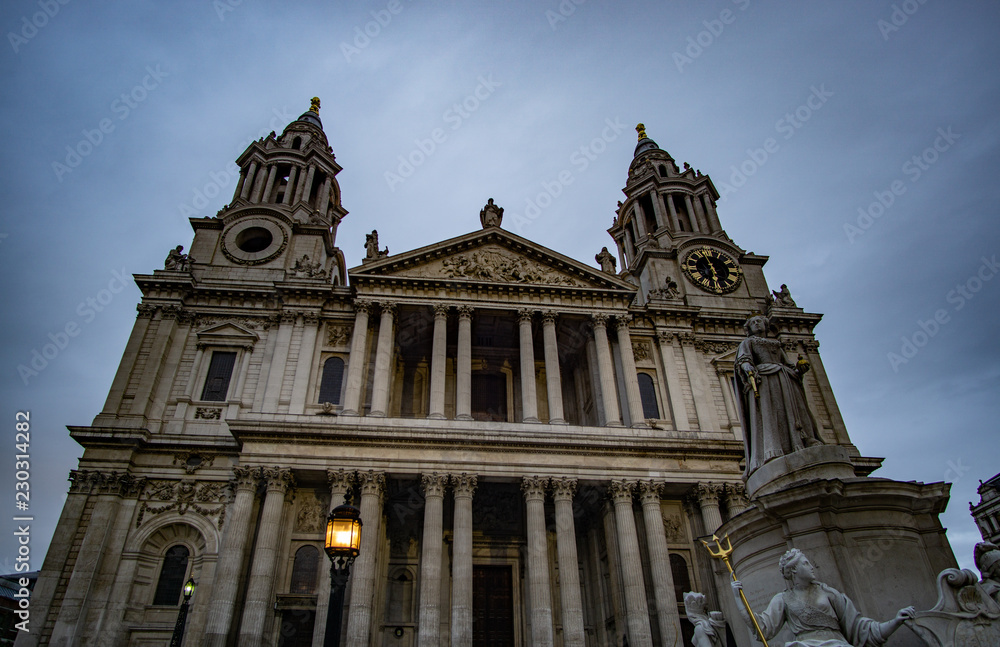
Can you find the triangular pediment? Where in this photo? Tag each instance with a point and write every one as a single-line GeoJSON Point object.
{"type": "Point", "coordinates": [227, 334]}
{"type": "Point", "coordinates": [491, 256]}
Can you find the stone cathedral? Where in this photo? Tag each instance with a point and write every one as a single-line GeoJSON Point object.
{"type": "Point", "coordinates": [536, 444]}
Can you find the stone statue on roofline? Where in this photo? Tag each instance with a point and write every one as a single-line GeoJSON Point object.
{"type": "Point", "coordinates": [818, 615]}
{"type": "Point", "coordinates": [178, 261]}
{"type": "Point", "coordinates": [491, 215]}
{"type": "Point", "coordinates": [607, 261]}
{"type": "Point", "coordinates": [371, 247]}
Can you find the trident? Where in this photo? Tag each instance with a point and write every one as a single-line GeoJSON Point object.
{"type": "Point", "coordinates": [723, 553]}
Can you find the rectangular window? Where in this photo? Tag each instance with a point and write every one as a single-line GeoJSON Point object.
{"type": "Point", "coordinates": [489, 396]}
{"type": "Point", "coordinates": [219, 373]}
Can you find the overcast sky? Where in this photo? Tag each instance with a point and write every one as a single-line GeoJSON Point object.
{"type": "Point", "coordinates": [123, 120]}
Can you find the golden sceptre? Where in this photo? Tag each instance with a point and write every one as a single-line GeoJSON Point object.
{"type": "Point", "coordinates": [723, 553]}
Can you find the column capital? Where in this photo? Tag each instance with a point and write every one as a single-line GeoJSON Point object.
{"type": "Point", "coordinates": [288, 316]}
{"type": "Point", "coordinates": [465, 312]}
{"type": "Point", "coordinates": [245, 478]}
{"type": "Point", "coordinates": [811, 345]}
{"type": "Point", "coordinates": [736, 494]}
{"type": "Point", "coordinates": [621, 491]}
{"type": "Point", "coordinates": [371, 482]}
{"type": "Point", "coordinates": [278, 479]}
{"type": "Point", "coordinates": [363, 305]}
{"type": "Point", "coordinates": [340, 480]}
{"type": "Point", "coordinates": [441, 310]}
{"type": "Point", "coordinates": [534, 487]}
{"type": "Point", "coordinates": [525, 315]}
{"type": "Point", "coordinates": [666, 336]}
{"type": "Point", "coordinates": [549, 317]}
{"type": "Point", "coordinates": [388, 307]}
{"type": "Point", "coordinates": [708, 493]}
{"type": "Point", "coordinates": [623, 321]}
{"type": "Point", "coordinates": [650, 492]}
{"type": "Point", "coordinates": [433, 484]}
{"type": "Point", "coordinates": [464, 485]}
{"type": "Point", "coordinates": [686, 338]}
{"type": "Point", "coordinates": [599, 319]}
{"type": "Point", "coordinates": [563, 488]}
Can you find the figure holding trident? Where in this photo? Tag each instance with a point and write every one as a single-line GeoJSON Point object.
{"type": "Point", "coordinates": [723, 553]}
{"type": "Point", "coordinates": [817, 615]}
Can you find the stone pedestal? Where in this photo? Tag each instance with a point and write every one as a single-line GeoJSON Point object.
{"type": "Point", "coordinates": [879, 541]}
{"type": "Point", "coordinates": [809, 464]}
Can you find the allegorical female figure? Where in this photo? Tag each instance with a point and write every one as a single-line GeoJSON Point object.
{"type": "Point", "coordinates": [817, 615]}
{"type": "Point", "coordinates": [709, 628]}
{"type": "Point", "coordinates": [776, 418]}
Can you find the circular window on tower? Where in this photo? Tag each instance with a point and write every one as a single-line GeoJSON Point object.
{"type": "Point", "coordinates": [253, 241]}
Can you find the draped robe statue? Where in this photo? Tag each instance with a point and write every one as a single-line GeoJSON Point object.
{"type": "Point", "coordinates": [776, 418]}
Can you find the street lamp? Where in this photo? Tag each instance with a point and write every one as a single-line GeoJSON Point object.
{"type": "Point", "coordinates": [343, 543]}
{"type": "Point", "coordinates": [182, 615]}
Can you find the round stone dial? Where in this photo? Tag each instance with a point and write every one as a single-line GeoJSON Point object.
{"type": "Point", "coordinates": [712, 270]}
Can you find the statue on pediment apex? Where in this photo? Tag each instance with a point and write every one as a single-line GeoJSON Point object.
{"type": "Point", "coordinates": [491, 215]}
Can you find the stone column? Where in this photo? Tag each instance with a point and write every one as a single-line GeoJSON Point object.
{"type": "Point", "coordinates": [463, 368]}
{"type": "Point", "coordinates": [529, 396]}
{"type": "Point", "coordinates": [704, 403]}
{"type": "Point", "coordinates": [464, 486]}
{"type": "Point", "coordinates": [276, 367]}
{"type": "Point", "coordinates": [340, 484]}
{"type": "Point", "coordinates": [674, 393]}
{"type": "Point", "coordinates": [306, 189]}
{"type": "Point", "coordinates": [363, 574]}
{"type": "Point", "coordinates": [658, 211]}
{"type": "Point", "coordinates": [258, 184]}
{"type": "Point", "coordinates": [614, 571]}
{"type": "Point", "coordinates": [232, 555]}
{"type": "Point", "coordinates": [124, 372]}
{"type": "Point", "coordinates": [429, 619]}
{"type": "Point", "coordinates": [304, 365]}
{"type": "Point", "coordinates": [640, 221]}
{"type": "Point", "coordinates": [736, 498]}
{"type": "Point", "coordinates": [636, 607]}
{"type": "Point", "coordinates": [727, 396]}
{"type": "Point", "coordinates": [630, 377]}
{"type": "Point", "coordinates": [163, 331]}
{"type": "Point", "coordinates": [695, 224]}
{"type": "Point", "coordinates": [713, 216]}
{"type": "Point", "coordinates": [383, 360]}
{"type": "Point", "coordinates": [290, 185]}
{"type": "Point", "coordinates": [266, 197]}
{"type": "Point", "coordinates": [103, 487]}
{"type": "Point", "coordinates": [659, 563]}
{"type": "Point", "coordinates": [358, 360]}
{"type": "Point", "coordinates": [260, 585]}
{"type": "Point", "coordinates": [605, 367]}
{"type": "Point", "coordinates": [553, 380]}
{"type": "Point", "coordinates": [569, 569]}
{"type": "Point", "coordinates": [539, 593]}
{"type": "Point", "coordinates": [439, 348]}
{"type": "Point", "coordinates": [248, 181]}
{"type": "Point", "coordinates": [58, 553]}
{"type": "Point", "coordinates": [324, 198]}
{"type": "Point", "coordinates": [673, 212]}
{"type": "Point", "coordinates": [700, 213]}
{"type": "Point", "coordinates": [708, 499]}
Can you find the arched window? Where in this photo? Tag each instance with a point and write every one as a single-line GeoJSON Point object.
{"type": "Point", "coordinates": [679, 570]}
{"type": "Point", "coordinates": [168, 587]}
{"type": "Point", "coordinates": [647, 393]}
{"type": "Point", "coordinates": [297, 143]}
{"type": "Point", "coordinates": [304, 570]}
{"type": "Point", "coordinates": [333, 377]}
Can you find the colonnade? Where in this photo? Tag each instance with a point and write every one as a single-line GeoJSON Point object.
{"type": "Point", "coordinates": [257, 183]}
{"type": "Point", "coordinates": [606, 383]}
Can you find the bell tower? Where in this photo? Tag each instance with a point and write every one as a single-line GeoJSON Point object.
{"type": "Point", "coordinates": [670, 240]}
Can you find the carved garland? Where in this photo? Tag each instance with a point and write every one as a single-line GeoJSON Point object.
{"type": "Point", "coordinates": [183, 496]}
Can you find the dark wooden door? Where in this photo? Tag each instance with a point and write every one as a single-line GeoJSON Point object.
{"type": "Point", "coordinates": [492, 606]}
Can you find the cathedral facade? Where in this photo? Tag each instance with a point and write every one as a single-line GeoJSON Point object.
{"type": "Point", "coordinates": [536, 444]}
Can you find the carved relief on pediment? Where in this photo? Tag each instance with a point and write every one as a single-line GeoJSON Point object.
{"type": "Point", "coordinates": [493, 264]}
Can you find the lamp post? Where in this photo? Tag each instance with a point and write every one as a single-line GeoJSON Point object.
{"type": "Point", "coordinates": [182, 615]}
{"type": "Point", "coordinates": [343, 543]}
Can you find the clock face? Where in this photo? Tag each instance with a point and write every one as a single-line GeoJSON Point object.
{"type": "Point", "coordinates": [712, 270]}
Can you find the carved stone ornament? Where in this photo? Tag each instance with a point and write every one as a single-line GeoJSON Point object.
{"type": "Point", "coordinates": [534, 487]}
{"type": "Point", "coordinates": [192, 462]}
{"type": "Point", "coordinates": [965, 614]}
{"type": "Point", "coordinates": [371, 248]}
{"type": "Point", "coordinates": [311, 515]}
{"type": "Point", "coordinates": [673, 527]}
{"type": "Point", "coordinates": [306, 269]}
{"type": "Point", "coordinates": [207, 413]}
{"type": "Point", "coordinates": [496, 511]}
{"type": "Point", "coordinates": [177, 261]}
{"type": "Point", "coordinates": [641, 350]}
{"type": "Point", "coordinates": [99, 482]}
{"type": "Point", "coordinates": [714, 347]}
{"type": "Point", "coordinates": [207, 499]}
{"type": "Point", "coordinates": [501, 267]}
{"type": "Point", "coordinates": [621, 490]}
{"type": "Point", "coordinates": [668, 291]}
{"type": "Point", "coordinates": [783, 298]}
{"type": "Point", "coordinates": [607, 261]}
{"type": "Point", "coordinates": [338, 335]}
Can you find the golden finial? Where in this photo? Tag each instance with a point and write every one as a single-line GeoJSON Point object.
{"type": "Point", "coordinates": [314, 107]}
{"type": "Point", "coordinates": [641, 129]}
